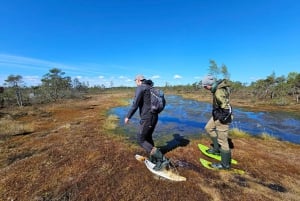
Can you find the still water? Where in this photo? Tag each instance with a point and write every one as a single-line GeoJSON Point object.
{"type": "Point", "coordinates": [187, 118]}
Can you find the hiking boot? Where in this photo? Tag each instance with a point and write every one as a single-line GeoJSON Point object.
{"type": "Point", "coordinates": [225, 160]}
{"type": "Point", "coordinates": [219, 166]}
{"type": "Point", "coordinates": [213, 151]}
{"type": "Point", "coordinates": [152, 159]}
{"type": "Point", "coordinates": [160, 160]}
{"type": "Point", "coordinates": [161, 164]}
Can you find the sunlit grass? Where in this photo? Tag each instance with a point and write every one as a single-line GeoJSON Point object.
{"type": "Point", "coordinates": [238, 133]}
{"type": "Point", "coordinates": [267, 136]}
{"type": "Point", "coordinates": [11, 127]}
{"type": "Point", "coordinates": [111, 122]}
{"type": "Point", "coordinates": [124, 102]}
{"type": "Point", "coordinates": [242, 134]}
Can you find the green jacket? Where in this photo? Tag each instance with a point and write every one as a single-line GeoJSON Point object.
{"type": "Point", "coordinates": [221, 94]}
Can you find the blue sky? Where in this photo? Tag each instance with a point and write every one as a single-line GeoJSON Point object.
{"type": "Point", "coordinates": [169, 41]}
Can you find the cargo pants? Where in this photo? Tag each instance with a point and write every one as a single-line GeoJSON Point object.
{"type": "Point", "coordinates": [219, 130]}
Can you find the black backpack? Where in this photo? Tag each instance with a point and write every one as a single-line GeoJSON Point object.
{"type": "Point", "coordinates": [158, 101]}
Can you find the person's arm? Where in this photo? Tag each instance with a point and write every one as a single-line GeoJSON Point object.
{"type": "Point", "coordinates": [135, 105]}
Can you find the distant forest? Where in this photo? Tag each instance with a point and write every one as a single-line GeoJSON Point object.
{"type": "Point", "coordinates": [56, 86]}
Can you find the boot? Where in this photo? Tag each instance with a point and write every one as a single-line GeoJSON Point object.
{"type": "Point", "coordinates": [152, 159]}
{"type": "Point", "coordinates": [216, 148]}
{"type": "Point", "coordinates": [161, 160]}
{"type": "Point", "coordinates": [225, 160]}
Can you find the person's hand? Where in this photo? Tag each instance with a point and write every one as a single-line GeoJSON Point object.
{"type": "Point", "coordinates": [126, 120]}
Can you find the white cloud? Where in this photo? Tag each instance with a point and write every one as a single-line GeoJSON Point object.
{"type": "Point", "coordinates": [155, 77]}
{"type": "Point", "coordinates": [177, 77]}
{"type": "Point", "coordinates": [30, 63]}
{"type": "Point", "coordinates": [34, 69]}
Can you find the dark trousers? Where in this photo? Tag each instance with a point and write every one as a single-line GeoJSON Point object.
{"type": "Point", "coordinates": [144, 137]}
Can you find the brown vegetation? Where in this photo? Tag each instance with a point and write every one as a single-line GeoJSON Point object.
{"type": "Point", "coordinates": [246, 101]}
{"type": "Point", "coordinates": [66, 151]}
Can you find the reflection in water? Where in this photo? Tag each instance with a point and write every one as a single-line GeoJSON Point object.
{"type": "Point", "coordinates": [188, 118]}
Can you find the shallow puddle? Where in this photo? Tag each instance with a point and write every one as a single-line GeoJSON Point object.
{"type": "Point", "coordinates": [187, 118]}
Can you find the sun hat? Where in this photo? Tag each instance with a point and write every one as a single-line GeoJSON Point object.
{"type": "Point", "coordinates": [208, 80]}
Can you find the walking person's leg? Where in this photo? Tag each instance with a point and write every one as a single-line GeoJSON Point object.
{"type": "Point", "coordinates": [225, 152]}
{"type": "Point", "coordinates": [210, 128]}
{"type": "Point", "coordinates": [149, 137]}
{"type": "Point", "coordinates": [143, 134]}
{"type": "Point", "coordinates": [156, 156]}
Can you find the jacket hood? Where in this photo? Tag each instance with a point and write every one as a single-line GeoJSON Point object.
{"type": "Point", "coordinates": [219, 84]}
{"type": "Point", "coordinates": [223, 83]}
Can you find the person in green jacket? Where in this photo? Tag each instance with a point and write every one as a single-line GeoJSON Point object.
{"type": "Point", "coordinates": [218, 125]}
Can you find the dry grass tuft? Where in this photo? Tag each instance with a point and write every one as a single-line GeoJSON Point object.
{"type": "Point", "coordinates": [238, 133]}
{"type": "Point", "coordinates": [267, 136]}
{"type": "Point", "coordinates": [11, 127]}
{"type": "Point", "coordinates": [111, 122]}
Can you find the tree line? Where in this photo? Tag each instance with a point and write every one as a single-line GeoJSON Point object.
{"type": "Point", "coordinates": [56, 86]}
{"type": "Point", "coordinates": [272, 90]}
